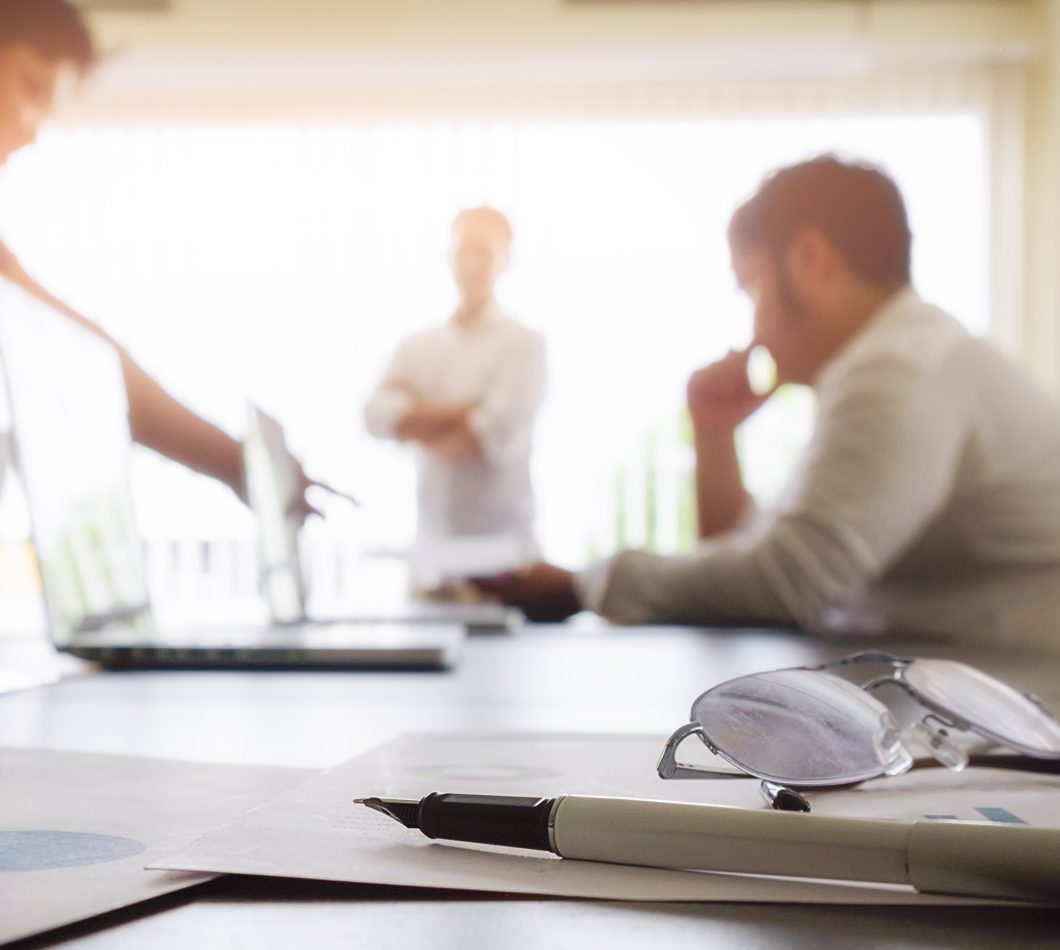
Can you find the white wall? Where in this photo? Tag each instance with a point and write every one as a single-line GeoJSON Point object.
{"type": "Point", "coordinates": [1041, 305]}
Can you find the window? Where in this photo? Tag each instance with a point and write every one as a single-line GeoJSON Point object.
{"type": "Point", "coordinates": [284, 263]}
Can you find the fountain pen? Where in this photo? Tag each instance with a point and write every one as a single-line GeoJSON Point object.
{"type": "Point", "coordinates": [970, 858]}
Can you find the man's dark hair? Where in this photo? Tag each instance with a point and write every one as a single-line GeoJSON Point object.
{"type": "Point", "coordinates": [856, 206]}
{"type": "Point", "coordinates": [55, 28]}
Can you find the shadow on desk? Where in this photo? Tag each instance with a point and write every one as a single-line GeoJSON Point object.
{"type": "Point", "coordinates": [264, 913]}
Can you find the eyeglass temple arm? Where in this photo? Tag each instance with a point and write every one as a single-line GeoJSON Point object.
{"type": "Point", "coordinates": [880, 656]}
{"type": "Point", "coordinates": [669, 768]}
{"type": "Point", "coordinates": [870, 656]}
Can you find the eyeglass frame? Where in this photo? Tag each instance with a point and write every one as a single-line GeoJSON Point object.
{"type": "Point", "coordinates": [669, 768]}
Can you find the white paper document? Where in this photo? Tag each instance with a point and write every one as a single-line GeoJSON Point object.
{"type": "Point", "coordinates": [469, 556]}
{"type": "Point", "coordinates": [315, 831]}
{"type": "Point", "coordinates": [76, 830]}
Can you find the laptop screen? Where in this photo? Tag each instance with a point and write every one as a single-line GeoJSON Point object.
{"type": "Point", "coordinates": [272, 488]}
{"type": "Point", "coordinates": [69, 417]}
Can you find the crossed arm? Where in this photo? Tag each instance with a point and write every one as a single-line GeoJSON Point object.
{"type": "Point", "coordinates": [443, 429]}
{"type": "Point", "coordinates": [491, 429]}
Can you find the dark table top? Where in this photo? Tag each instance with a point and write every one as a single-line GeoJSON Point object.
{"type": "Point", "coordinates": [540, 679]}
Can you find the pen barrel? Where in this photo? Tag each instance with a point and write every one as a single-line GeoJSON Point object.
{"type": "Point", "coordinates": [974, 859]}
{"type": "Point", "coordinates": [986, 860]}
{"type": "Point", "coordinates": [717, 838]}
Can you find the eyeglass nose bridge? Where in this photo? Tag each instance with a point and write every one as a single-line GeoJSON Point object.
{"type": "Point", "coordinates": [932, 730]}
{"type": "Point", "coordinates": [943, 718]}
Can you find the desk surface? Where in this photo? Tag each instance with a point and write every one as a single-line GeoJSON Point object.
{"type": "Point", "coordinates": [542, 679]}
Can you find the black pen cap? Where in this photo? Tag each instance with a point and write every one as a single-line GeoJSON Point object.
{"type": "Point", "coordinates": [487, 819]}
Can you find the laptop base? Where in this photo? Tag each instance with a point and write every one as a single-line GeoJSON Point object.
{"type": "Point", "coordinates": [423, 646]}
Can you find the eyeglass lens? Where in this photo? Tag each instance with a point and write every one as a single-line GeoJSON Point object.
{"type": "Point", "coordinates": [989, 706]}
{"type": "Point", "coordinates": [802, 727]}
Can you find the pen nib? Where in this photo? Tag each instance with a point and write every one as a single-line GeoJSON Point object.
{"type": "Point", "coordinates": [399, 810]}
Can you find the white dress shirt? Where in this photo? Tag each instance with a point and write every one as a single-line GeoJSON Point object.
{"type": "Point", "coordinates": [500, 365]}
{"type": "Point", "coordinates": [928, 501]}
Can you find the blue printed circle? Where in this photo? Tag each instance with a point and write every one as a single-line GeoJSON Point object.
{"type": "Point", "coordinates": [49, 850]}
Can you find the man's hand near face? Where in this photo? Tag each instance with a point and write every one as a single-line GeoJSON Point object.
{"type": "Point", "coordinates": [544, 592]}
{"type": "Point", "coordinates": [720, 398]}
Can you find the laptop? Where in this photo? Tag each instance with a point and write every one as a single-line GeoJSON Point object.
{"type": "Point", "coordinates": [72, 447]}
{"type": "Point", "coordinates": [272, 491]}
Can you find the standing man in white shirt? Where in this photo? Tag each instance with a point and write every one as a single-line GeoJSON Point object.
{"type": "Point", "coordinates": [928, 500]}
{"type": "Point", "coordinates": [465, 395]}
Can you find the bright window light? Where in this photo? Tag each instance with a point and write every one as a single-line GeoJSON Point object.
{"type": "Point", "coordinates": [284, 263]}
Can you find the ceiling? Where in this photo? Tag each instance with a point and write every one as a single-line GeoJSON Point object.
{"type": "Point", "coordinates": [350, 41]}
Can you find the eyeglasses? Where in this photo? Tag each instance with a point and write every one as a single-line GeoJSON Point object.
{"type": "Point", "coordinates": [821, 727]}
